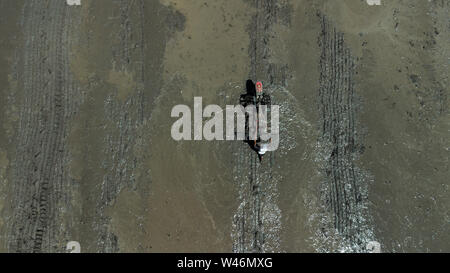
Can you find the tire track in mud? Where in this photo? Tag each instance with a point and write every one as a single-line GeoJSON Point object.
{"type": "Point", "coordinates": [127, 116]}
{"type": "Point", "coordinates": [344, 192]}
{"type": "Point", "coordinates": [50, 99]}
{"type": "Point", "coordinates": [257, 222]}
{"type": "Point", "coordinates": [441, 30]}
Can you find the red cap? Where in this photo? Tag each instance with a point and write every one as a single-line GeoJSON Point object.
{"type": "Point", "coordinates": [259, 87]}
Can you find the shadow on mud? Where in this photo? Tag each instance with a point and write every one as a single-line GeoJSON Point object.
{"type": "Point", "coordinates": [249, 98]}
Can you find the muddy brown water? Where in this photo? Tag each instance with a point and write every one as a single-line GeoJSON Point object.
{"type": "Point", "coordinates": [86, 153]}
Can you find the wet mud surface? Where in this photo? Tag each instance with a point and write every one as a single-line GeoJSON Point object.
{"type": "Point", "coordinates": [85, 147]}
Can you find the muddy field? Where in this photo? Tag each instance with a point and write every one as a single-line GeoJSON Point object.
{"type": "Point", "coordinates": [86, 152]}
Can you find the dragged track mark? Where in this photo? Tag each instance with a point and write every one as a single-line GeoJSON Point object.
{"type": "Point", "coordinates": [127, 115]}
{"type": "Point", "coordinates": [257, 222]}
{"type": "Point", "coordinates": [344, 192]}
{"type": "Point", "coordinates": [49, 100]}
